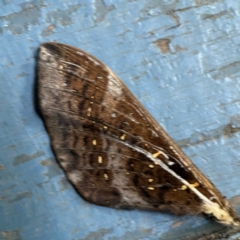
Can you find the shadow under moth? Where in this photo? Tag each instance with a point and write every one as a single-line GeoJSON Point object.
{"type": "Point", "coordinates": [113, 151]}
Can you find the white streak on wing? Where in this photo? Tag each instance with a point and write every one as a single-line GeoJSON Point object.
{"type": "Point", "coordinates": [209, 207]}
{"type": "Point", "coordinates": [80, 53]}
{"type": "Point", "coordinates": [165, 155]}
{"type": "Point", "coordinates": [181, 160]}
{"type": "Point", "coordinates": [93, 60]}
{"type": "Point", "coordinates": [73, 64]}
{"type": "Point", "coordinates": [112, 86]}
{"type": "Point", "coordinates": [114, 83]}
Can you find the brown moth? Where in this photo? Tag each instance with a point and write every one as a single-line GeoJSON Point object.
{"type": "Point", "coordinates": [112, 150]}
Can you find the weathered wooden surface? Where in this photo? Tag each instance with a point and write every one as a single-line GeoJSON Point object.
{"type": "Point", "coordinates": [180, 58]}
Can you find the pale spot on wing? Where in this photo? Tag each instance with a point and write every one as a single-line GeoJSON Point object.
{"type": "Point", "coordinates": [75, 176]}
{"type": "Point", "coordinates": [151, 166]}
{"type": "Point", "coordinates": [64, 164]}
{"type": "Point", "coordinates": [150, 180]}
{"type": "Point", "coordinates": [196, 184]}
{"type": "Point", "coordinates": [94, 142]}
{"type": "Point", "coordinates": [151, 188]}
{"type": "Point", "coordinates": [93, 60]}
{"type": "Point", "coordinates": [47, 57]}
{"type": "Point", "coordinates": [178, 155]}
{"type": "Point", "coordinates": [183, 187]}
{"type": "Point", "coordinates": [99, 159]}
{"type": "Point", "coordinates": [105, 127]}
{"type": "Point", "coordinates": [80, 53]}
{"type": "Point", "coordinates": [123, 137]}
{"type": "Point", "coordinates": [156, 154]}
{"type": "Point", "coordinates": [113, 85]}
{"type": "Point", "coordinates": [170, 163]}
{"type": "Point", "coordinates": [113, 115]}
{"type": "Point", "coordinates": [105, 176]}
{"type": "Point", "coordinates": [89, 112]}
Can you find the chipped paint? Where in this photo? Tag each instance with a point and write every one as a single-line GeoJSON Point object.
{"type": "Point", "coordinates": [53, 169]}
{"type": "Point", "coordinates": [63, 17]}
{"type": "Point", "coordinates": [214, 16]}
{"type": "Point", "coordinates": [48, 30]}
{"type": "Point", "coordinates": [11, 235]}
{"type": "Point", "coordinates": [63, 183]}
{"type": "Point", "coordinates": [101, 10]}
{"type": "Point", "coordinates": [20, 196]}
{"type": "Point", "coordinates": [98, 234]}
{"type": "Point", "coordinates": [19, 22]}
{"type": "Point", "coordinates": [207, 2]}
{"type": "Point", "coordinates": [25, 157]}
{"type": "Point", "coordinates": [163, 45]}
{"type": "Point", "coordinates": [197, 138]}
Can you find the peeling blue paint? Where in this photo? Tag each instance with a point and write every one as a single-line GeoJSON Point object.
{"type": "Point", "coordinates": [20, 22]}
{"type": "Point", "coordinates": [62, 17]}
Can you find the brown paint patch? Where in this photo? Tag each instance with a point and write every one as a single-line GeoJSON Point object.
{"type": "Point", "coordinates": [163, 45]}
{"type": "Point", "coordinates": [11, 235]}
{"type": "Point", "coordinates": [214, 16]}
{"type": "Point", "coordinates": [229, 130]}
{"type": "Point", "coordinates": [206, 2]}
{"type": "Point", "coordinates": [48, 30]}
{"type": "Point", "coordinates": [1, 167]}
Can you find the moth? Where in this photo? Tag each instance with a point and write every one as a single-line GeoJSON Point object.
{"type": "Point", "coordinates": [113, 151]}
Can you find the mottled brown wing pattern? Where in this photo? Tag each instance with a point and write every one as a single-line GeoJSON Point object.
{"type": "Point", "coordinates": [113, 151]}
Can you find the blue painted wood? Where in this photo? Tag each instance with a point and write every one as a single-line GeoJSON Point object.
{"type": "Point", "coordinates": [180, 58]}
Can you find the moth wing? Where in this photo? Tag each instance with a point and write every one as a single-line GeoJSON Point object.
{"type": "Point", "coordinates": [112, 150]}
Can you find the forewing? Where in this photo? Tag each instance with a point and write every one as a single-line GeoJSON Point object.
{"type": "Point", "coordinates": [113, 151]}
